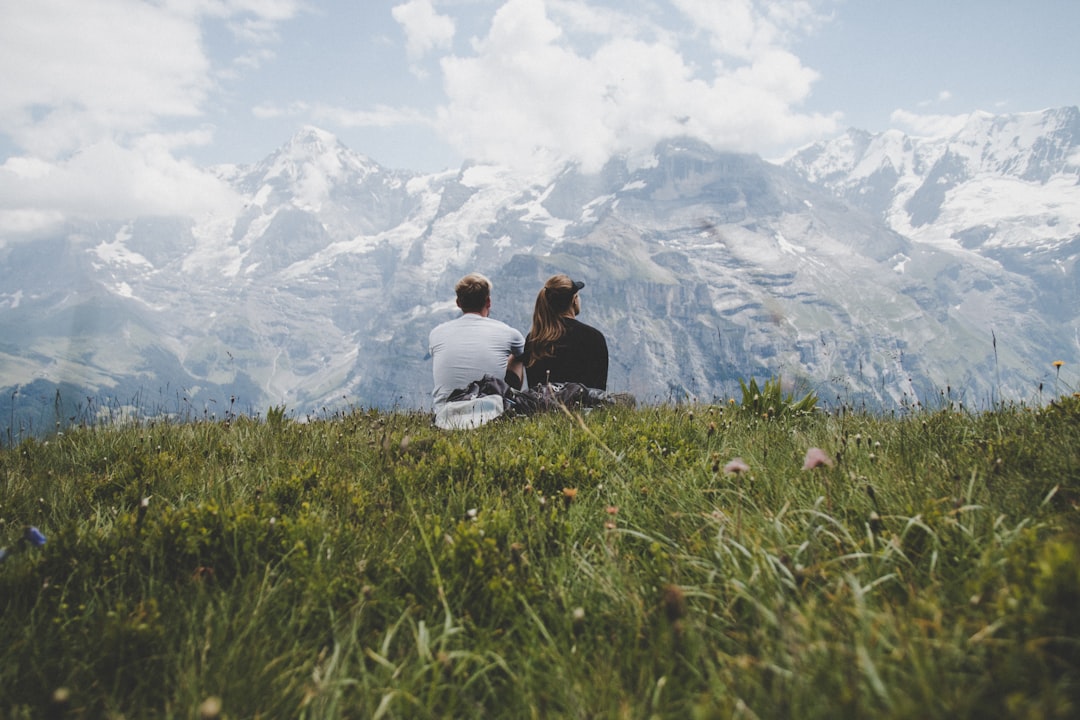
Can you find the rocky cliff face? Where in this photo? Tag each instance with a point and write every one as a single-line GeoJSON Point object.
{"type": "Point", "coordinates": [874, 268]}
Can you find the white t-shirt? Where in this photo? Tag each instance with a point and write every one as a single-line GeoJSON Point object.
{"type": "Point", "coordinates": [467, 348]}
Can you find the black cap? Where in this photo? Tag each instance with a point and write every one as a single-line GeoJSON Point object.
{"type": "Point", "coordinates": [563, 296]}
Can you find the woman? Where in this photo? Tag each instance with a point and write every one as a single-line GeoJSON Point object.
{"type": "Point", "coordinates": [559, 348]}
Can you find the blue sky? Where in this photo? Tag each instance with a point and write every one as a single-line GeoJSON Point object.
{"type": "Point", "coordinates": [116, 107]}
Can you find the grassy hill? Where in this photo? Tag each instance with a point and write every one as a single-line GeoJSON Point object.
{"type": "Point", "coordinates": [659, 562]}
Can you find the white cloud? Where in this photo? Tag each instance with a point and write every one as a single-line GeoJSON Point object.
{"type": "Point", "coordinates": [579, 16]}
{"type": "Point", "coordinates": [381, 116]}
{"type": "Point", "coordinates": [527, 93]}
{"type": "Point", "coordinates": [78, 72]}
{"type": "Point", "coordinates": [88, 87]}
{"type": "Point", "coordinates": [425, 29]}
{"type": "Point", "coordinates": [746, 29]}
{"type": "Point", "coordinates": [928, 125]}
{"type": "Point", "coordinates": [107, 180]}
{"type": "Point", "coordinates": [270, 111]}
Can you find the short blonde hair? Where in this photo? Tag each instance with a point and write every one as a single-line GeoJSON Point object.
{"type": "Point", "coordinates": [473, 291]}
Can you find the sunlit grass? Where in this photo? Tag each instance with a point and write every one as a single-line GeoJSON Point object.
{"type": "Point", "coordinates": [609, 564]}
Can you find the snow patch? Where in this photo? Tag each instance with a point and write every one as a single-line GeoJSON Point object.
{"type": "Point", "coordinates": [117, 253]}
{"type": "Point", "coordinates": [788, 247]}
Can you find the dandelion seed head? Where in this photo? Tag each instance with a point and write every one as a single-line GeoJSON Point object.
{"type": "Point", "coordinates": [210, 708]}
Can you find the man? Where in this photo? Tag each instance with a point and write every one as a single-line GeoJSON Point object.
{"type": "Point", "coordinates": [469, 347]}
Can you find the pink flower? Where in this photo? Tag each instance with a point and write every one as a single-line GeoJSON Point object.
{"type": "Point", "coordinates": [736, 466]}
{"type": "Point", "coordinates": [815, 458]}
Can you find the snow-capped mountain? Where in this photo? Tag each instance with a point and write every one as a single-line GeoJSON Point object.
{"type": "Point", "coordinates": [1005, 188]}
{"type": "Point", "coordinates": [879, 268]}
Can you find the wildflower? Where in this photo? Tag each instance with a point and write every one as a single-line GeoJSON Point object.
{"type": "Point", "coordinates": [736, 467]}
{"type": "Point", "coordinates": [33, 536]}
{"type": "Point", "coordinates": [61, 699]}
{"type": "Point", "coordinates": [471, 513]}
{"type": "Point", "coordinates": [1058, 363]}
{"type": "Point", "coordinates": [210, 708]}
{"type": "Point", "coordinates": [815, 458]}
{"type": "Point", "coordinates": [568, 495]}
{"type": "Point", "coordinates": [612, 510]}
{"type": "Point", "coordinates": [579, 614]}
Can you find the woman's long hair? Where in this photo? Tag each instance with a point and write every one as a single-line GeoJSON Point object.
{"type": "Point", "coordinates": [552, 302]}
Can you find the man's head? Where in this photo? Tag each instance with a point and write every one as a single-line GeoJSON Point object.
{"type": "Point", "coordinates": [473, 293]}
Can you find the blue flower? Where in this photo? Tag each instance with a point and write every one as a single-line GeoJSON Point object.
{"type": "Point", "coordinates": [34, 536]}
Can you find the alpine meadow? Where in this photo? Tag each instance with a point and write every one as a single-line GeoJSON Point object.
{"type": "Point", "coordinates": [539, 360]}
{"type": "Point", "coordinates": [763, 557]}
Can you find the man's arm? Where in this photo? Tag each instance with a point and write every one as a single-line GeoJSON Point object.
{"type": "Point", "coordinates": [515, 372]}
{"type": "Point", "coordinates": [515, 365]}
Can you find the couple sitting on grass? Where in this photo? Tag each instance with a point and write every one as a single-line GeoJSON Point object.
{"type": "Point", "coordinates": [482, 367]}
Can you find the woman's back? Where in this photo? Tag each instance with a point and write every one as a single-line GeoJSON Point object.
{"type": "Point", "coordinates": [580, 355]}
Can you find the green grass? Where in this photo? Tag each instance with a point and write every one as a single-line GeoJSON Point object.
{"type": "Point", "coordinates": [367, 565]}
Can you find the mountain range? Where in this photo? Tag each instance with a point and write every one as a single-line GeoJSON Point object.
{"type": "Point", "coordinates": [882, 269]}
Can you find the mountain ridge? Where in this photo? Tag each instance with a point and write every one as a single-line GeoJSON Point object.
{"type": "Point", "coordinates": [861, 268]}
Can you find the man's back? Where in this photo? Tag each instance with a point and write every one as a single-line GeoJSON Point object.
{"type": "Point", "coordinates": [467, 348]}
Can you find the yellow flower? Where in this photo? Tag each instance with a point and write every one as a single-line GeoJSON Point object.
{"type": "Point", "coordinates": [1058, 363]}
